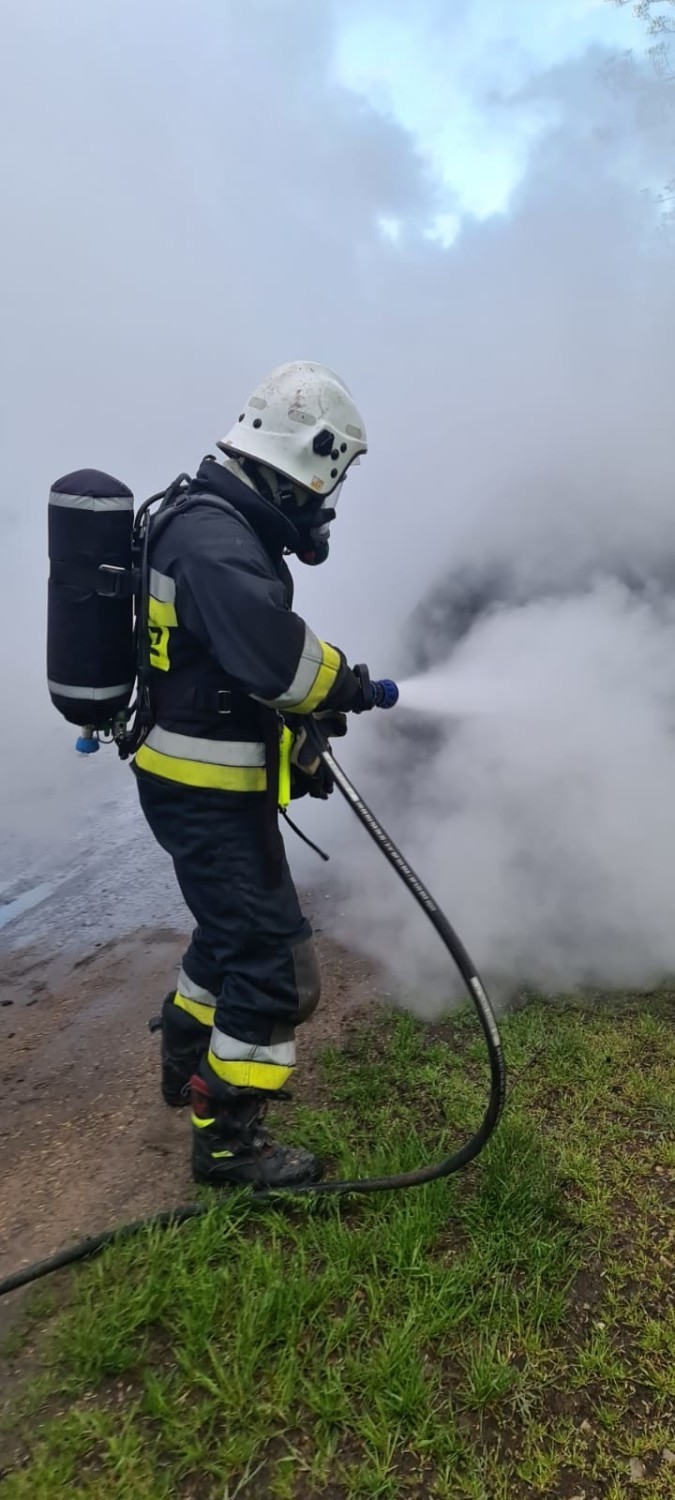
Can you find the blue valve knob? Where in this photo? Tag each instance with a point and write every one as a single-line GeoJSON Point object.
{"type": "Point", "coordinates": [385, 693]}
{"type": "Point", "coordinates": [87, 744]}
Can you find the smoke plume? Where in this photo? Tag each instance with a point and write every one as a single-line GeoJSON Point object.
{"type": "Point", "coordinates": [191, 197]}
{"type": "Point", "coordinates": [535, 795]}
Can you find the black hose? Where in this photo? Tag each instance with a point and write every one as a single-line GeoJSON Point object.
{"type": "Point", "coordinates": [458, 1159]}
{"type": "Point", "coordinates": [84, 1249]}
{"type": "Point", "coordinates": [474, 985]}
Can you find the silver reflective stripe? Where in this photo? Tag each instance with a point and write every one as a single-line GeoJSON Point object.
{"type": "Point", "coordinates": [191, 991]}
{"type": "Point", "coordinates": [94, 694]}
{"type": "Point", "coordinates": [162, 587]}
{"type": "Point", "coordinates": [92, 502]}
{"type": "Point", "coordinates": [211, 752]}
{"type": "Point", "coordinates": [228, 1049]}
{"type": "Point", "coordinates": [309, 667]}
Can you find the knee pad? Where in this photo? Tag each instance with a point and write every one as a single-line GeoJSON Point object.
{"type": "Point", "coordinates": [307, 978]}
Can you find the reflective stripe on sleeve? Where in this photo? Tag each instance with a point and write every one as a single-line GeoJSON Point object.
{"type": "Point", "coordinates": [316, 673]}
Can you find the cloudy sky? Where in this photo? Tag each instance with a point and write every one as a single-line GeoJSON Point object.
{"type": "Point", "coordinates": [194, 190]}
{"type": "Point", "coordinates": [454, 74]}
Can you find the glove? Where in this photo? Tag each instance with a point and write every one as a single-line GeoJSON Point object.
{"type": "Point", "coordinates": [303, 755]}
{"type": "Point", "coordinates": [320, 784]}
{"type": "Point", "coordinates": [309, 776]}
{"type": "Point", "coordinates": [314, 779]}
{"type": "Point", "coordinates": [333, 725]}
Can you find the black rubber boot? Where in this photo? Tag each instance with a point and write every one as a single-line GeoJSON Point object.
{"type": "Point", "coordinates": [230, 1144]}
{"type": "Point", "coordinates": [184, 1043]}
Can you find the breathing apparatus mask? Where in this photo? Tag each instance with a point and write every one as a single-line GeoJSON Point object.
{"type": "Point", "coordinates": [313, 522]}
{"type": "Point", "coordinates": [311, 514]}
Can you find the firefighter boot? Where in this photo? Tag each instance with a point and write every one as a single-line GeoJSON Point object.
{"type": "Point", "coordinates": [184, 1043]}
{"type": "Point", "coordinates": [230, 1144]}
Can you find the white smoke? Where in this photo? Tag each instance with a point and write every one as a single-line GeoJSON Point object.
{"type": "Point", "coordinates": [537, 796]}
{"type": "Point", "coordinates": [191, 198]}
{"type": "Point", "coordinates": [544, 817]}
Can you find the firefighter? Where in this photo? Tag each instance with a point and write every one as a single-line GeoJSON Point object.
{"type": "Point", "coordinates": [234, 671]}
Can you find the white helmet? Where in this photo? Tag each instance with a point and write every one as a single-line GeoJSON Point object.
{"type": "Point", "coordinates": [302, 422]}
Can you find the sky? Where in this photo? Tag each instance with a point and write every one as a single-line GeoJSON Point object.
{"type": "Point", "coordinates": [451, 74]}
{"type": "Point", "coordinates": [451, 213]}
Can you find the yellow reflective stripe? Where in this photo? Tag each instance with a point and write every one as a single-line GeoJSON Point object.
{"type": "Point", "coordinates": [323, 682]}
{"type": "Point", "coordinates": [162, 618]}
{"type": "Point", "coordinates": [214, 752]}
{"type": "Point", "coordinates": [200, 773]}
{"type": "Point", "coordinates": [287, 738]}
{"type": "Point", "coordinates": [202, 1013]}
{"type": "Point", "coordinates": [161, 613]}
{"type": "Point", "coordinates": [249, 1075]}
{"type": "Point", "coordinates": [202, 1124]}
{"type": "Point", "coordinates": [216, 1155]}
{"type": "Point", "coordinates": [186, 987]}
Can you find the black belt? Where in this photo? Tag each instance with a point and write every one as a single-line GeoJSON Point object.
{"type": "Point", "coordinates": [111, 582]}
{"type": "Point", "coordinates": [206, 703]}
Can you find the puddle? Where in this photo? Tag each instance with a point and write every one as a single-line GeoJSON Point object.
{"type": "Point", "coordinates": [9, 910]}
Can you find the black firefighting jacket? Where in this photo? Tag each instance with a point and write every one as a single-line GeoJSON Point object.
{"type": "Point", "coordinates": [229, 657]}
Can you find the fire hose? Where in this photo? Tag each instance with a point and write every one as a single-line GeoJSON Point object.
{"type": "Point", "coordinates": [459, 1158]}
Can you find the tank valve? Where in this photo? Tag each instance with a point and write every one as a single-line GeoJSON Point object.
{"type": "Point", "coordinates": [87, 743]}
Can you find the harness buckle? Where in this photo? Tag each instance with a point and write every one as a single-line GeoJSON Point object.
{"type": "Point", "coordinates": [224, 701]}
{"type": "Point", "coordinates": [116, 583]}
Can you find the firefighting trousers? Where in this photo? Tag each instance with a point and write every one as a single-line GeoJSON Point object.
{"type": "Point", "coordinates": [250, 973]}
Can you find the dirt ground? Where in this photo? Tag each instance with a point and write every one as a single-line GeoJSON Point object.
{"type": "Point", "coordinates": [86, 1141]}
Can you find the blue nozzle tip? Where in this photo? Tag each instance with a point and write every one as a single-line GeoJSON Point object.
{"type": "Point", "coordinates": [86, 745]}
{"type": "Point", "coordinates": [386, 693]}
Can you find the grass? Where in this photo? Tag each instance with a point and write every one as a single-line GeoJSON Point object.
{"type": "Point", "coordinates": [509, 1333]}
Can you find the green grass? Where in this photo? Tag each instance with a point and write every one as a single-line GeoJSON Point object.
{"type": "Point", "coordinates": [509, 1333]}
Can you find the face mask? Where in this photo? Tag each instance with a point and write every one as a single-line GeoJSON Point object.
{"type": "Point", "coordinates": [315, 546]}
{"type": "Point", "coordinates": [310, 516]}
{"type": "Point", "coordinates": [315, 532]}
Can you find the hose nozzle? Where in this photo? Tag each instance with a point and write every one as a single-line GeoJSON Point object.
{"type": "Point", "coordinates": [380, 694]}
{"type": "Point", "coordinates": [385, 693]}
